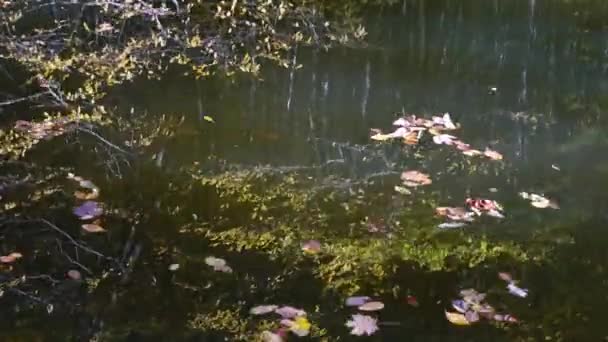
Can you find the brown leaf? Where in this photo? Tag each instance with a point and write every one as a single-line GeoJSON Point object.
{"type": "Point", "coordinates": [415, 178]}
{"type": "Point", "coordinates": [9, 259]}
{"type": "Point", "coordinates": [93, 228]}
{"type": "Point", "coordinates": [74, 275]}
{"type": "Point", "coordinates": [81, 195]}
{"type": "Point", "coordinates": [492, 154]}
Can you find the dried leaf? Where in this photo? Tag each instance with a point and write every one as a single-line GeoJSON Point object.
{"type": "Point", "coordinates": [471, 316]}
{"type": "Point", "coordinates": [372, 306]}
{"type": "Point", "coordinates": [74, 275]}
{"type": "Point", "coordinates": [492, 154]}
{"type": "Point", "coordinates": [471, 152]}
{"type": "Point", "coordinates": [460, 305]}
{"type": "Point", "coordinates": [218, 264]}
{"type": "Point", "coordinates": [11, 258]}
{"type": "Point", "coordinates": [262, 309]}
{"type": "Point", "coordinates": [517, 291]}
{"type": "Point", "coordinates": [93, 228]}
{"type": "Point", "coordinates": [88, 210]}
{"type": "Point", "coordinates": [505, 276]}
{"type": "Point", "coordinates": [456, 318]}
{"type": "Point", "coordinates": [451, 225]}
{"type": "Point", "coordinates": [357, 300]}
{"type": "Point", "coordinates": [362, 325]}
{"type": "Point", "coordinates": [415, 178]}
{"type": "Point", "coordinates": [299, 326]}
{"type": "Point", "coordinates": [81, 195]}
{"type": "Point", "coordinates": [402, 190]}
{"type": "Point", "coordinates": [290, 312]}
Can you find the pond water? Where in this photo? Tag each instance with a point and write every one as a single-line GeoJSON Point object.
{"type": "Point", "coordinates": [289, 158]}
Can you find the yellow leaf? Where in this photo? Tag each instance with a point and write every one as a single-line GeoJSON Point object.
{"type": "Point", "coordinates": [456, 318]}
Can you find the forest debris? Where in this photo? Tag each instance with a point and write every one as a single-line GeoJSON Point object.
{"type": "Point", "coordinates": [10, 258]}
{"type": "Point", "coordinates": [88, 210]}
{"type": "Point", "coordinates": [362, 325]}
{"type": "Point", "coordinates": [93, 228]}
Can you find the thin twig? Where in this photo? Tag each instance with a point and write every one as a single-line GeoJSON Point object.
{"type": "Point", "coordinates": [83, 247]}
{"type": "Point", "coordinates": [84, 268]}
{"type": "Point", "coordinates": [103, 140]}
{"type": "Point", "coordinates": [23, 99]}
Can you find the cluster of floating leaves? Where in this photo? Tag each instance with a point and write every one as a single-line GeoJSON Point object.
{"type": "Point", "coordinates": [474, 207]}
{"type": "Point", "coordinates": [291, 319]}
{"type": "Point", "coordinates": [411, 129]}
{"type": "Point", "coordinates": [472, 307]}
{"type": "Point", "coordinates": [89, 209]}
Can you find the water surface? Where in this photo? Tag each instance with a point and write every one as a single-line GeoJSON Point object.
{"type": "Point", "coordinates": [289, 159]}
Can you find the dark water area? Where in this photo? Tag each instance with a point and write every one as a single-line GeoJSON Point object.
{"type": "Point", "coordinates": [302, 136]}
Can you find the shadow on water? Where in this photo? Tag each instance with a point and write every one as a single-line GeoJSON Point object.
{"type": "Point", "coordinates": [289, 159]}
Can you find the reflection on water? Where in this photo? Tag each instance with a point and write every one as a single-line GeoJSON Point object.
{"type": "Point", "coordinates": [296, 143]}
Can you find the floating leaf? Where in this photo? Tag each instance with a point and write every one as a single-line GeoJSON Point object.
{"type": "Point", "coordinates": [88, 210]}
{"type": "Point", "coordinates": [81, 195]}
{"type": "Point", "coordinates": [489, 207]}
{"type": "Point", "coordinates": [290, 312]}
{"type": "Point", "coordinates": [312, 247]}
{"type": "Point", "coordinates": [11, 258]}
{"type": "Point", "coordinates": [539, 201]}
{"type": "Point", "coordinates": [299, 326]}
{"type": "Point", "coordinates": [74, 275]}
{"type": "Point", "coordinates": [362, 325]}
{"type": "Point", "coordinates": [456, 318]}
{"type": "Point", "coordinates": [93, 228]}
{"type": "Point", "coordinates": [471, 152]}
{"type": "Point", "coordinates": [357, 300]}
{"type": "Point", "coordinates": [208, 119]}
{"type": "Point", "coordinates": [451, 225]}
{"type": "Point", "coordinates": [173, 267]}
{"type": "Point", "coordinates": [402, 190]}
{"type": "Point", "coordinates": [492, 154]}
{"type": "Point", "coordinates": [455, 213]}
{"type": "Point", "coordinates": [472, 296]}
{"type": "Point", "coordinates": [505, 276]}
{"type": "Point", "coordinates": [460, 305]}
{"type": "Point", "coordinates": [415, 178]}
{"type": "Point", "coordinates": [444, 139]}
{"type": "Point", "coordinates": [218, 264]}
{"type": "Point", "coordinates": [412, 138]}
{"type": "Point", "coordinates": [87, 184]}
{"type": "Point", "coordinates": [517, 291]}
{"type": "Point", "coordinates": [447, 122]}
{"type": "Point", "coordinates": [372, 306]}
{"type": "Point", "coordinates": [262, 309]}
{"type": "Point", "coordinates": [380, 137]}
{"type": "Point", "coordinates": [471, 316]}
{"type": "Point", "coordinates": [505, 318]}
{"type": "Point", "coordinates": [495, 213]}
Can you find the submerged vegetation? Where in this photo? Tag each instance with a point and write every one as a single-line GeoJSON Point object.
{"type": "Point", "coordinates": [399, 236]}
